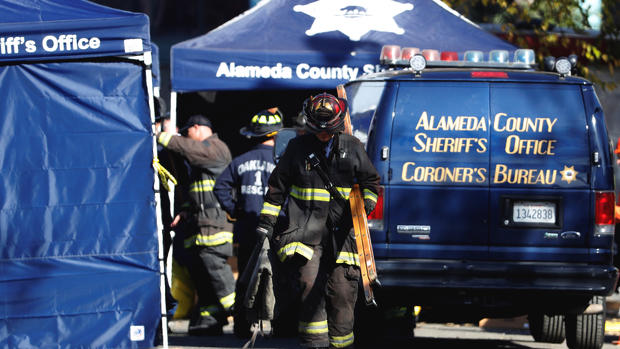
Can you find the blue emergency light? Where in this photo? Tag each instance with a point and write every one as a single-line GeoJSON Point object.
{"type": "Point", "coordinates": [499, 56]}
{"type": "Point", "coordinates": [525, 56]}
{"type": "Point", "coordinates": [473, 56]}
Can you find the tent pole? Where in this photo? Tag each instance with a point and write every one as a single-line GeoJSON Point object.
{"type": "Point", "coordinates": [156, 187]}
{"type": "Point", "coordinates": [173, 108]}
{"type": "Point", "coordinates": [173, 122]}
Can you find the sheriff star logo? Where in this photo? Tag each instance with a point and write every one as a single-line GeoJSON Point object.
{"type": "Point", "coordinates": [354, 18]}
{"type": "Point", "coordinates": [569, 174]}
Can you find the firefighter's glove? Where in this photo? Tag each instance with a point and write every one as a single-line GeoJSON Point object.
{"type": "Point", "coordinates": [164, 175]}
{"type": "Point", "coordinates": [263, 231]}
{"type": "Point", "coordinates": [369, 206]}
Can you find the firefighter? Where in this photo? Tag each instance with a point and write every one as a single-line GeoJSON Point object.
{"type": "Point", "coordinates": [319, 240]}
{"type": "Point", "coordinates": [170, 162]}
{"type": "Point", "coordinates": [240, 190]}
{"type": "Point", "coordinates": [207, 233]}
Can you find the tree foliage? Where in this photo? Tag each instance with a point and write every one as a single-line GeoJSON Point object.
{"type": "Point", "coordinates": [554, 26]}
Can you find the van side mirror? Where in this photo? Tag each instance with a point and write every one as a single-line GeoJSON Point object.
{"type": "Point", "coordinates": [281, 141]}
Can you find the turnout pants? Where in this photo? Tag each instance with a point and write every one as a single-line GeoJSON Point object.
{"type": "Point", "coordinates": [214, 283]}
{"type": "Point", "coordinates": [242, 325]}
{"type": "Point", "coordinates": [328, 296]}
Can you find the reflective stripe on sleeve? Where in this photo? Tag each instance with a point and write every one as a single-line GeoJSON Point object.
{"type": "Point", "coordinates": [345, 192]}
{"type": "Point", "coordinates": [370, 195]}
{"type": "Point", "coordinates": [313, 327]}
{"type": "Point", "coordinates": [295, 247]}
{"type": "Point", "coordinates": [202, 186]}
{"type": "Point", "coordinates": [341, 341]}
{"type": "Point", "coordinates": [164, 138]}
{"type": "Point", "coordinates": [228, 301]}
{"type": "Point", "coordinates": [271, 210]}
{"type": "Point", "coordinates": [209, 240]}
{"type": "Point", "coordinates": [349, 258]}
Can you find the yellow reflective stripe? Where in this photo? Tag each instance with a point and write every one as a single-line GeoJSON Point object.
{"type": "Point", "coordinates": [295, 247]}
{"type": "Point", "coordinates": [341, 341]}
{"type": "Point", "coordinates": [209, 310]}
{"type": "Point", "coordinates": [270, 119]}
{"type": "Point", "coordinates": [313, 327]}
{"type": "Point", "coordinates": [209, 240]}
{"type": "Point", "coordinates": [310, 194]}
{"type": "Point", "coordinates": [270, 209]}
{"type": "Point", "coordinates": [164, 138]}
{"type": "Point", "coordinates": [204, 185]}
{"type": "Point", "coordinates": [345, 192]}
{"type": "Point", "coordinates": [228, 301]}
{"type": "Point", "coordinates": [215, 239]}
{"type": "Point", "coordinates": [349, 258]}
{"type": "Point", "coordinates": [370, 195]}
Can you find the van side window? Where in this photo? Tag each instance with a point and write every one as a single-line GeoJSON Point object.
{"type": "Point", "coordinates": [363, 98]}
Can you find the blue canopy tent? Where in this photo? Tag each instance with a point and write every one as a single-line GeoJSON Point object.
{"type": "Point", "coordinates": [283, 44]}
{"type": "Point", "coordinates": [281, 51]}
{"type": "Point", "coordinates": [79, 262]}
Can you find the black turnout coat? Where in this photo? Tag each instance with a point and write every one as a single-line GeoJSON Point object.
{"type": "Point", "coordinates": [314, 216]}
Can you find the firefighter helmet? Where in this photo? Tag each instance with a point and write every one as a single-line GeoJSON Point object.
{"type": "Point", "coordinates": [325, 112]}
{"type": "Point", "coordinates": [265, 123]}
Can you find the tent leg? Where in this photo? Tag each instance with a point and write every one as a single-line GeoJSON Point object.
{"type": "Point", "coordinates": [173, 108]}
{"type": "Point", "coordinates": [160, 225]}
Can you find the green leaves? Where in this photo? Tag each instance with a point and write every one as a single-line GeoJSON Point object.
{"type": "Point", "coordinates": [554, 27]}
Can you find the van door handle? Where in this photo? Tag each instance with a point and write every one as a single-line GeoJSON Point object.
{"type": "Point", "coordinates": [385, 153]}
{"type": "Point", "coordinates": [570, 235]}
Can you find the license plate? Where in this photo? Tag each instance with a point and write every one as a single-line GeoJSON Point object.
{"type": "Point", "coordinates": [533, 212]}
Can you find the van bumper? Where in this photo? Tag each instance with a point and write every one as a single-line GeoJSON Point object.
{"type": "Point", "coordinates": [578, 279]}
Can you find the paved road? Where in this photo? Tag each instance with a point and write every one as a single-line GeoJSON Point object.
{"type": "Point", "coordinates": [427, 336]}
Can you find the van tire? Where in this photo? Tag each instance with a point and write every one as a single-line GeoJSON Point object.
{"type": "Point", "coordinates": [586, 331]}
{"type": "Point", "coordinates": [547, 328]}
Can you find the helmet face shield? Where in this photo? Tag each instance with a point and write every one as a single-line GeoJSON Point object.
{"type": "Point", "coordinates": [325, 112]}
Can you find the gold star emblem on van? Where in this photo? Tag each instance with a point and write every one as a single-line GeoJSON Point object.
{"type": "Point", "coordinates": [569, 174]}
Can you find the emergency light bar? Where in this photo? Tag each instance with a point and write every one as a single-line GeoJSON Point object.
{"type": "Point", "coordinates": [408, 52]}
{"type": "Point", "coordinates": [394, 56]}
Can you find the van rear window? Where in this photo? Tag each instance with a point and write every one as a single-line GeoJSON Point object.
{"type": "Point", "coordinates": [363, 99]}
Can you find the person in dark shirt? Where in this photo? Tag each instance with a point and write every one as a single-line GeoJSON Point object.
{"type": "Point", "coordinates": [207, 235]}
{"type": "Point", "coordinates": [240, 190]}
{"type": "Point", "coordinates": [312, 182]}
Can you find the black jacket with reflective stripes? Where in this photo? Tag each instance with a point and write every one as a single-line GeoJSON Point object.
{"type": "Point", "coordinates": [206, 160]}
{"type": "Point", "coordinates": [310, 209]}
